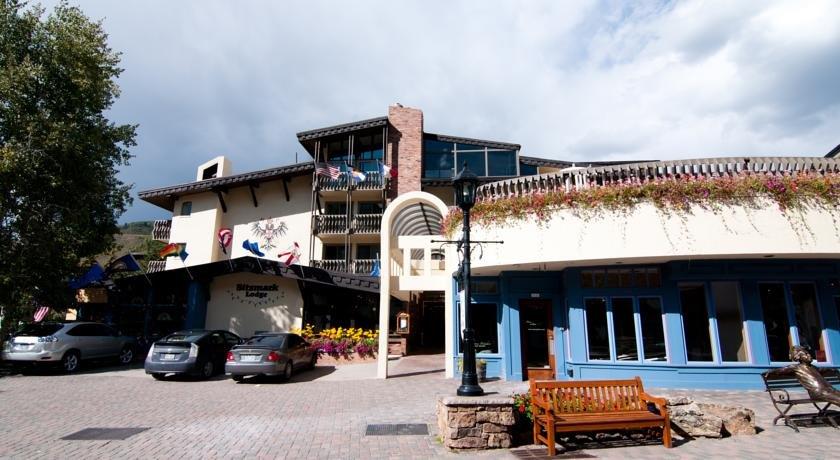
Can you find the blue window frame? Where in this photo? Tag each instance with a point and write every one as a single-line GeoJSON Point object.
{"type": "Point", "coordinates": [625, 328]}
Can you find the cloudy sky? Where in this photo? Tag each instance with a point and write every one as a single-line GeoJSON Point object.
{"type": "Point", "coordinates": [572, 80]}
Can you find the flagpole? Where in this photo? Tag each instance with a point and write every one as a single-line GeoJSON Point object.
{"type": "Point", "coordinates": [184, 262]}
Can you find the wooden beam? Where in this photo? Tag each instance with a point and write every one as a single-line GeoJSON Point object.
{"type": "Point", "coordinates": [221, 200]}
{"type": "Point", "coordinates": [286, 187]}
{"type": "Point", "coordinates": [252, 186]}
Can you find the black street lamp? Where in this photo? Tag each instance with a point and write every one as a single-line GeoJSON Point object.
{"type": "Point", "coordinates": [465, 184]}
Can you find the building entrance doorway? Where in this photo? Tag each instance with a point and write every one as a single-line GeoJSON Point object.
{"type": "Point", "coordinates": [537, 335]}
{"type": "Point", "coordinates": [432, 332]}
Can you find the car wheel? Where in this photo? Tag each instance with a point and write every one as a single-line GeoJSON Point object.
{"type": "Point", "coordinates": [207, 369]}
{"type": "Point", "coordinates": [159, 376]}
{"type": "Point", "coordinates": [313, 361]}
{"type": "Point", "coordinates": [238, 378]}
{"type": "Point", "coordinates": [287, 371]}
{"type": "Point", "coordinates": [70, 362]}
{"type": "Point", "coordinates": [126, 355]}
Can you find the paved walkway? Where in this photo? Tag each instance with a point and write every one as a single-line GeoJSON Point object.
{"type": "Point", "coordinates": [319, 414]}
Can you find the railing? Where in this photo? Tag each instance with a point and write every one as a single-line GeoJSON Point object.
{"type": "Point", "coordinates": [364, 266]}
{"type": "Point", "coordinates": [156, 266]}
{"type": "Point", "coordinates": [575, 178]}
{"type": "Point", "coordinates": [373, 181]}
{"type": "Point", "coordinates": [161, 229]}
{"type": "Point", "coordinates": [367, 223]}
{"type": "Point", "coordinates": [328, 183]}
{"type": "Point", "coordinates": [334, 265]}
{"type": "Point", "coordinates": [330, 224]}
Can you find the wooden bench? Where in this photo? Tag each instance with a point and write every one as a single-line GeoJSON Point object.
{"type": "Point", "coordinates": [778, 386]}
{"type": "Point", "coordinates": [594, 405]}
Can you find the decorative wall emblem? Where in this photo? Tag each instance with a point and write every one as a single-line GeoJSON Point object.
{"type": "Point", "coordinates": [269, 231]}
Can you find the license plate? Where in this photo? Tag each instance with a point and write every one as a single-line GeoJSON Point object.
{"type": "Point", "coordinates": [168, 356]}
{"type": "Point", "coordinates": [250, 358]}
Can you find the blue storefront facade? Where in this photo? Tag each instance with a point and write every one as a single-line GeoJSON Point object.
{"type": "Point", "coordinates": [677, 324]}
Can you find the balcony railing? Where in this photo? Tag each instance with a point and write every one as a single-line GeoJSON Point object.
{"type": "Point", "coordinates": [364, 266]}
{"type": "Point", "coordinates": [580, 178]}
{"type": "Point", "coordinates": [156, 266]}
{"type": "Point", "coordinates": [367, 223]}
{"type": "Point", "coordinates": [161, 229]}
{"type": "Point", "coordinates": [330, 224]}
{"type": "Point", "coordinates": [373, 181]}
{"type": "Point", "coordinates": [334, 265]}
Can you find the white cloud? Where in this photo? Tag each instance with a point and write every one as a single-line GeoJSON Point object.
{"type": "Point", "coordinates": [579, 81]}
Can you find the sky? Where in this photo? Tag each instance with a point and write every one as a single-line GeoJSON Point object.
{"type": "Point", "coordinates": [580, 81]}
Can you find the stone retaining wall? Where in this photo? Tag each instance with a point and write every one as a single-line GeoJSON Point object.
{"type": "Point", "coordinates": [475, 423]}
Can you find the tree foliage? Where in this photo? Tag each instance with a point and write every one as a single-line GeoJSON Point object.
{"type": "Point", "coordinates": [59, 155]}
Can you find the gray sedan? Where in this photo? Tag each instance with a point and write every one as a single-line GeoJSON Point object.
{"type": "Point", "coordinates": [271, 354]}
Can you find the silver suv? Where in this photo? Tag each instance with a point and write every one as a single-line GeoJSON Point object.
{"type": "Point", "coordinates": [67, 343]}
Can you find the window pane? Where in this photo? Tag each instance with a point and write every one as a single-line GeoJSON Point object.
{"type": "Point", "coordinates": [374, 207]}
{"type": "Point", "coordinates": [808, 319]}
{"type": "Point", "coordinates": [438, 159]}
{"type": "Point", "coordinates": [698, 342]}
{"type": "Point", "coordinates": [335, 207]}
{"type": "Point", "coordinates": [596, 329]}
{"type": "Point", "coordinates": [774, 308]}
{"type": "Point", "coordinates": [733, 346]}
{"type": "Point", "coordinates": [653, 334]}
{"type": "Point", "coordinates": [483, 319]}
{"type": "Point", "coordinates": [527, 170]}
{"type": "Point", "coordinates": [475, 161]}
{"type": "Point", "coordinates": [186, 208]}
{"type": "Point", "coordinates": [624, 325]}
{"type": "Point", "coordinates": [501, 163]}
{"type": "Point", "coordinates": [334, 252]}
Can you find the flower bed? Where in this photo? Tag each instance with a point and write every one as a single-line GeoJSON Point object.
{"type": "Point", "coordinates": [342, 345]}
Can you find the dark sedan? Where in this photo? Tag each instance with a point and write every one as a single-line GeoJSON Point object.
{"type": "Point", "coordinates": [193, 352]}
{"type": "Point", "coordinates": [272, 354]}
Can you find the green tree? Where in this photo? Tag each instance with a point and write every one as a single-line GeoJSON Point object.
{"type": "Point", "coordinates": [59, 155]}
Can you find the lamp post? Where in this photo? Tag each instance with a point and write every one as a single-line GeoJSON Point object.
{"type": "Point", "coordinates": [465, 184]}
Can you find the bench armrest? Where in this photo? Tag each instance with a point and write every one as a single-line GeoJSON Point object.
{"type": "Point", "coordinates": [779, 394]}
{"type": "Point", "coordinates": [660, 403]}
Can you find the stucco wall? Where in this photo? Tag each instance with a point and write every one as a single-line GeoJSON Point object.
{"type": "Point", "coordinates": [245, 311]}
{"type": "Point", "coordinates": [196, 230]}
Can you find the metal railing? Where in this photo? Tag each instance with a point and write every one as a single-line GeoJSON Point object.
{"type": "Point", "coordinates": [364, 266]}
{"type": "Point", "coordinates": [367, 223]}
{"type": "Point", "coordinates": [156, 266]}
{"type": "Point", "coordinates": [161, 230]}
{"type": "Point", "coordinates": [330, 224]}
{"type": "Point", "coordinates": [373, 181]}
{"type": "Point", "coordinates": [334, 265]}
{"type": "Point", "coordinates": [576, 178]}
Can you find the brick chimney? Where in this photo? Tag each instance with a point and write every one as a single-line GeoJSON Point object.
{"type": "Point", "coordinates": [405, 147]}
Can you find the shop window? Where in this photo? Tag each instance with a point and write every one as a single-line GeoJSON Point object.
{"type": "Point", "coordinates": [776, 325]}
{"type": "Point", "coordinates": [621, 278]}
{"type": "Point", "coordinates": [653, 333]}
{"type": "Point", "coordinates": [808, 324]}
{"type": "Point", "coordinates": [597, 332]}
{"type": "Point", "coordinates": [733, 343]}
{"type": "Point", "coordinates": [485, 325]}
{"type": "Point", "coordinates": [695, 314]}
{"type": "Point", "coordinates": [624, 326]}
{"type": "Point", "coordinates": [486, 287]}
{"type": "Point", "coordinates": [186, 208]}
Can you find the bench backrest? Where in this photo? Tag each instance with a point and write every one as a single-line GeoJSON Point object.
{"type": "Point", "coordinates": [590, 396]}
{"type": "Point", "coordinates": [786, 382]}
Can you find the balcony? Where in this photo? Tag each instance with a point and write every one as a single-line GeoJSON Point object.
{"type": "Point", "coordinates": [364, 266]}
{"type": "Point", "coordinates": [156, 266]}
{"type": "Point", "coordinates": [367, 223]}
{"type": "Point", "coordinates": [161, 229]}
{"type": "Point", "coordinates": [373, 181]}
{"type": "Point", "coordinates": [329, 224]}
{"type": "Point", "coordinates": [333, 265]}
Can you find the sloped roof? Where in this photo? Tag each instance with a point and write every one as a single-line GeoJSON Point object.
{"type": "Point", "coordinates": [342, 128]}
{"type": "Point", "coordinates": [467, 140]}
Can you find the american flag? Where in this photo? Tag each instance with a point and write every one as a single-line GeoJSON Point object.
{"type": "Point", "coordinates": [41, 313]}
{"type": "Point", "coordinates": [326, 169]}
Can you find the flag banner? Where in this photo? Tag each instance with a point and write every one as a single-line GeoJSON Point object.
{"type": "Point", "coordinates": [357, 176]}
{"type": "Point", "coordinates": [170, 249]}
{"type": "Point", "coordinates": [291, 255]}
{"type": "Point", "coordinates": [40, 313]}
{"type": "Point", "coordinates": [182, 252]}
{"type": "Point", "coordinates": [95, 273]}
{"type": "Point", "coordinates": [126, 263]}
{"type": "Point", "coordinates": [375, 270]}
{"type": "Point", "coordinates": [385, 171]}
{"type": "Point", "coordinates": [328, 170]}
{"type": "Point", "coordinates": [225, 239]}
{"type": "Point", "coordinates": [253, 248]}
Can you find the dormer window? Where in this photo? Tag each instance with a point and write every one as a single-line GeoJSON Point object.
{"type": "Point", "coordinates": [186, 208]}
{"type": "Point", "coordinates": [210, 172]}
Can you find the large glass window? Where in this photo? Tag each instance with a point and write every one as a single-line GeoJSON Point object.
{"type": "Point", "coordinates": [337, 151]}
{"type": "Point", "coordinates": [527, 170]}
{"type": "Point", "coordinates": [653, 334]}
{"type": "Point", "coordinates": [475, 161]}
{"type": "Point", "coordinates": [774, 308]}
{"type": "Point", "coordinates": [695, 313]}
{"type": "Point", "coordinates": [624, 325]}
{"type": "Point", "coordinates": [597, 332]}
{"type": "Point", "coordinates": [808, 322]}
{"type": "Point", "coordinates": [733, 344]}
{"type": "Point", "coordinates": [438, 159]}
{"type": "Point", "coordinates": [501, 163]}
{"type": "Point", "coordinates": [367, 152]}
{"type": "Point", "coordinates": [484, 322]}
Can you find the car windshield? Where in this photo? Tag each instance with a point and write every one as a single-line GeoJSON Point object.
{"type": "Point", "coordinates": [39, 329]}
{"type": "Point", "coordinates": [183, 336]}
{"type": "Point", "coordinates": [267, 340]}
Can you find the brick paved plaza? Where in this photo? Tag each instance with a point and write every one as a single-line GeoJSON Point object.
{"type": "Point", "coordinates": [321, 414]}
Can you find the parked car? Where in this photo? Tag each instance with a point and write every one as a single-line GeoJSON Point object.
{"type": "Point", "coordinates": [271, 354]}
{"type": "Point", "coordinates": [196, 352]}
{"type": "Point", "coordinates": [67, 343]}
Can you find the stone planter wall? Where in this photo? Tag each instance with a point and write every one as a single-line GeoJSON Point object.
{"type": "Point", "coordinates": [475, 423]}
{"type": "Point", "coordinates": [352, 358]}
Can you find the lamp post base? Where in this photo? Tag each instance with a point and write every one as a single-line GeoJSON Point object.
{"type": "Point", "coordinates": [470, 390]}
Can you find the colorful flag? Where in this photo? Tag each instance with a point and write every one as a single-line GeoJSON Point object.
{"type": "Point", "coordinates": [94, 274]}
{"type": "Point", "coordinates": [375, 270]}
{"type": "Point", "coordinates": [126, 263]}
{"type": "Point", "coordinates": [357, 176]}
{"type": "Point", "coordinates": [225, 239]}
{"type": "Point", "coordinates": [328, 170]}
{"type": "Point", "coordinates": [41, 313]}
{"type": "Point", "coordinates": [182, 252]}
{"type": "Point", "coordinates": [385, 171]}
{"type": "Point", "coordinates": [253, 248]}
{"type": "Point", "coordinates": [170, 250]}
{"type": "Point", "coordinates": [290, 256]}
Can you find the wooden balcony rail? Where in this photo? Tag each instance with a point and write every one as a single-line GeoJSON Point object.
{"type": "Point", "coordinates": [363, 266]}
{"type": "Point", "coordinates": [334, 265]}
{"type": "Point", "coordinates": [580, 178]}
{"type": "Point", "coordinates": [330, 224]}
{"type": "Point", "coordinates": [161, 229]}
{"type": "Point", "coordinates": [367, 223]}
{"type": "Point", "coordinates": [156, 266]}
{"type": "Point", "coordinates": [373, 181]}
